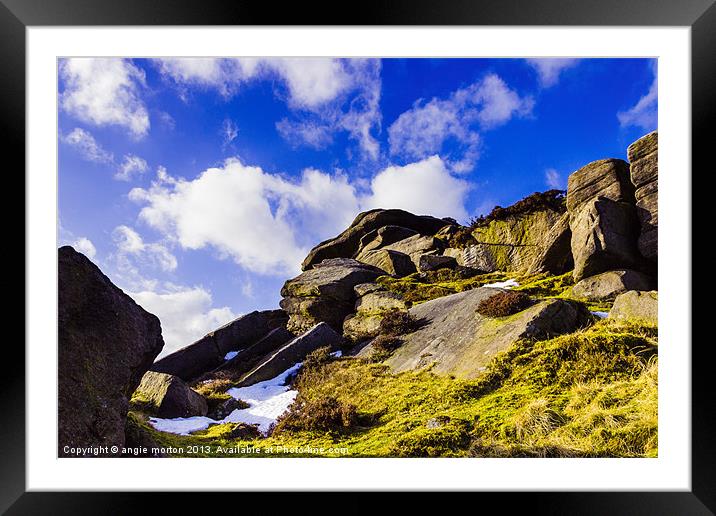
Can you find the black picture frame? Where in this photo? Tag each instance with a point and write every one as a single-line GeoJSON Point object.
{"type": "Point", "coordinates": [700, 15]}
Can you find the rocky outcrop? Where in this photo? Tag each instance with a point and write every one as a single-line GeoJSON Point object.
{"type": "Point", "coordinates": [459, 341]}
{"type": "Point", "coordinates": [555, 254]}
{"type": "Point", "coordinates": [636, 305]}
{"type": "Point", "coordinates": [433, 262]}
{"type": "Point", "coordinates": [208, 352]}
{"type": "Point", "coordinates": [347, 244]}
{"type": "Point", "coordinates": [382, 237]}
{"type": "Point", "coordinates": [372, 304]}
{"type": "Point", "coordinates": [167, 396]}
{"type": "Point", "coordinates": [602, 218]}
{"type": "Point", "coordinates": [106, 342]}
{"type": "Point", "coordinates": [607, 285]}
{"type": "Point", "coordinates": [295, 351]}
{"type": "Point", "coordinates": [644, 169]}
{"type": "Point", "coordinates": [415, 247]}
{"type": "Point", "coordinates": [325, 293]}
{"type": "Point", "coordinates": [392, 262]}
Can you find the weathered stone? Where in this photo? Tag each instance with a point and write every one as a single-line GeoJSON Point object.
{"type": "Point", "coordinates": [636, 305]}
{"type": "Point", "coordinates": [604, 235]}
{"type": "Point", "coordinates": [433, 262]}
{"type": "Point", "coordinates": [295, 351]}
{"type": "Point", "coordinates": [247, 358]}
{"type": "Point", "coordinates": [365, 288]}
{"type": "Point", "coordinates": [475, 257]}
{"type": "Point", "coordinates": [392, 262]}
{"type": "Point", "coordinates": [106, 342]}
{"type": "Point", "coordinates": [347, 243]}
{"type": "Point", "coordinates": [383, 236]}
{"type": "Point", "coordinates": [325, 293]}
{"type": "Point", "coordinates": [380, 301]}
{"type": "Point", "coordinates": [609, 284]}
{"type": "Point", "coordinates": [459, 341]}
{"type": "Point", "coordinates": [643, 155]}
{"type": "Point", "coordinates": [608, 178]}
{"type": "Point", "coordinates": [167, 396]}
{"type": "Point", "coordinates": [555, 256]}
{"type": "Point", "coordinates": [208, 352]}
{"type": "Point", "coordinates": [416, 246]}
{"type": "Point", "coordinates": [362, 325]}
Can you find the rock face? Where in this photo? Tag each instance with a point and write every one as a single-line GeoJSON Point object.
{"type": "Point", "coordinates": [433, 262]}
{"type": "Point", "coordinates": [370, 308]}
{"type": "Point", "coordinates": [644, 159]}
{"type": "Point", "coordinates": [555, 255]}
{"type": "Point", "coordinates": [415, 247]}
{"type": "Point", "coordinates": [295, 351]}
{"type": "Point", "coordinates": [459, 341]}
{"type": "Point", "coordinates": [208, 352]}
{"type": "Point", "coordinates": [347, 244]}
{"type": "Point", "coordinates": [382, 237]}
{"type": "Point", "coordinates": [167, 396]}
{"type": "Point", "coordinates": [636, 305]}
{"type": "Point", "coordinates": [602, 218]}
{"type": "Point", "coordinates": [607, 285]}
{"type": "Point", "coordinates": [106, 343]}
{"type": "Point", "coordinates": [325, 293]}
{"type": "Point", "coordinates": [392, 262]}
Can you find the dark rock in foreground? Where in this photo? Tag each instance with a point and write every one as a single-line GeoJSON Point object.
{"type": "Point", "coordinates": [167, 396]}
{"type": "Point", "coordinates": [295, 351]}
{"type": "Point", "coordinates": [106, 344]}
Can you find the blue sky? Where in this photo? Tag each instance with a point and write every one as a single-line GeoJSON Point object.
{"type": "Point", "coordinates": [198, 185]}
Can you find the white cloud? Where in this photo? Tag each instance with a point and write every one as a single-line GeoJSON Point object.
{"type": "Point", "coordinates": [644, 113]}
{"type": "Point", "coordinates": [87, 146]}
{"type": "Point", "coordinates": [229, 131]}
{"type": "Point", "coordinates": [131, 166]}
{"type": "Point", "coordinates": [328, 95]}
{"type": "Point", "coordinates": [85, 246]}
{"type": "Point", "coordinates": [423, 188]}
{"type": "Point", "coordinates": [105, 92]}
{"type": "Point", "coordinates": [267, 223]}
{"type": "Point", "coordinates": [553, 179]}
{"type": "Point", "coordinates": [423, 130]}
{"type": "Point", "coordinates": [186, 314]}
{"type": "Point", "coordinates": [549, 69]}
{"type": "Point", "coordinates": [132, 252]}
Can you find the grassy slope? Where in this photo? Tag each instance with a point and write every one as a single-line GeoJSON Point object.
{"type": "Point", "coordinates": [590, 393]}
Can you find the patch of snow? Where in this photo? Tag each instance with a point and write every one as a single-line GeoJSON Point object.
{"type": "Point", "coordinates": [231, 354]}
{"type": "Point", "coordinates": [601, 315]}
{"type": "Point", "coordinates": [181, 425]}
{"type": "Point", "coordinates": [510, 283]}
{"type": "Point", "coordinates": [337, 354]}
{"type": "Point", "coordinates": [267, 401]}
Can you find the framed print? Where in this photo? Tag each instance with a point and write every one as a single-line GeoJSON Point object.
{"type": "Point", "coordinates": [420, 250]}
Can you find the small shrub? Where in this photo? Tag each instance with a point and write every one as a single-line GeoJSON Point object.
{"type": "Point", "coordinates": [318, 358]}
{"type": "Point", "coordinates": [397, 322]}
{"type": "Point", "coordinates": [550, 200]}
{"type": "Point", "coordinates": [386, 343]}
{"type": "Point", "coordinates": [324, 414]}
{"type": "Point", "coordinates": [504, 304]}
{"type": "Point", "coordinates": [215, 389]}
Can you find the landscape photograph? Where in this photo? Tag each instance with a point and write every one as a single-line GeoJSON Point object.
{"type": "Point", "coordinates": [357, 257]}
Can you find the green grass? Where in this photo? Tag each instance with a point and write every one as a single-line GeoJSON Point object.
{"type": "Point", "coordinates": [592, 393]}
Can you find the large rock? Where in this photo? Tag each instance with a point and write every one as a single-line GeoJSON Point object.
{"type": "Point", "coordinates": [609, 284]}
{"type": "Point", "coordinates": [415, 247]}
{"type": "Point", "coordinates": [433, 262]}
{"type": "Point", "coordinates": [208, 352]}
{"type": "Point", "coordinates": [106, 342]}
{"type": "Point", "coordinates": [167, 396]}
{"type": "Point", "coordinates": [459, 341]}
{"type": "Point", "coordinates": [644, 158]}
{"type": "Point", "coordinates": [636, 305]}
{"type": "Point", "coordinates": [555, 254]}
{"type": "Point", "coordinates": [383, 236]}
{"type": "Point", "coordinates": [325, 293]}
{"type": "Point", "coordinates": [295, 351]}
{"type": "Point", "coordinates": [392, 262]}
{"type": "Point", "coordinates": [247, 358]}
{"type": "Point", "coordinates": [604, 235]}
{"type": "Point", "coordinates": [477, 257]}
{"type": "Point", "coordinates": [602, 218]}
{"type": "Point", "coordinates": [347, 244]}
{"type": "Point", "coordinates": [372, 304]}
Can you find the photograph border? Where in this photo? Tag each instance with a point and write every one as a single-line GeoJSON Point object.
{"type": "Point", "coordinates": [700, 15]}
